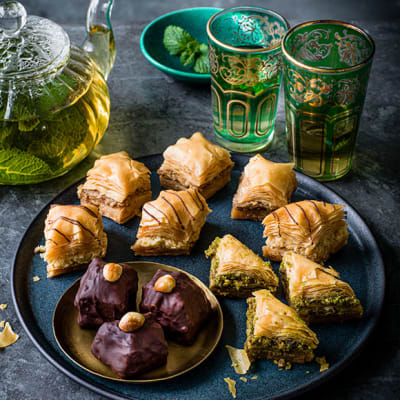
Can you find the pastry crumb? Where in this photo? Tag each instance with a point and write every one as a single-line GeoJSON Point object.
{"type": "Point", "coordinates": [254, 377]}
{"type": "Point", "coordinates": [232, 386]}
{"type": "Point", "coordinates": [35, 279]}
{"type": "Point", "coordinates": [281, 363]}
{"type": "Point", "coordinates": [240, 359]}
{"type": "Point", "coordinates": [39, 249]}
{"type": "Point", "coordinates": [322, 362]}
{"type": "Point", "coordinates": [2, 323]}
{"type": "Point", "coordinates": [3, 306]}
{"type": "Point", "coordinates": [7, 336]}
{"type": "Point", "coordinates": [242, 378]}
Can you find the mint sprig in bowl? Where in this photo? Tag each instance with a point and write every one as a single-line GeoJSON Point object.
{"type": "Point", "coordinates": [193, 21]}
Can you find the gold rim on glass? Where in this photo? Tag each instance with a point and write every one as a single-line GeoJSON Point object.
{"type": "Point", "coordinates": [327, 69]}
{"type": "Point", "coordinates": [239, 49]}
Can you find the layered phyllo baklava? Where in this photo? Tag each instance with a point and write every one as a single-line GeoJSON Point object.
{"type": "Point", "coordinates": [196, 163]}
{"type": "Point", "coordinates": [263, 187]}
{"type": "Point", "coordinates": [74, 236]}
{"type": "Point", "coordinates": [312, 228]}
{"type": "Point", "coordinates": [275, 331]}
{"type": "Point", "coordinates": [171, 224]}
{"type": "Point", "coordinates": [236, 270]}
{"type": "Point", "coordinates": [118, 186]}
{"type": "Point", "coordinates": [315, 292]}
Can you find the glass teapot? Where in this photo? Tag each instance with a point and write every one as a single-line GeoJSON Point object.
{"type": "Point", "coordinates": [54, 101]}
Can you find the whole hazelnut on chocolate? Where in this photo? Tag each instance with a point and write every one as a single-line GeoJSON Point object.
{"type": "Point", "coordinates": [112, 272]}
{"type": "Point", "coordinates": [165, 284]}
{"type": "Point", "coordinates": [131, 321]}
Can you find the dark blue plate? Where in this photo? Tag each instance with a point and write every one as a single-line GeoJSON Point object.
{"type": "Point", "coordinates": [359, 263]}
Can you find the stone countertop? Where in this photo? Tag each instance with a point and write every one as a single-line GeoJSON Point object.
{"type": "Point", "coordinates": [151, 111]}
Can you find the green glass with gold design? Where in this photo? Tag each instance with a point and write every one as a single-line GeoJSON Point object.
{"type": "Point", "coordinates": [246, 72]}
{"type": "Point", "coordinates": [326, 67]}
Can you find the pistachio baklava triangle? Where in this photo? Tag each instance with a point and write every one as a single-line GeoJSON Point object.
{"type": "Point", "coordinates": [316, 292]}
{"type": "Point", "coordinates": [236, 271]}
{"type": "Point", "coordinates": [275, 331]}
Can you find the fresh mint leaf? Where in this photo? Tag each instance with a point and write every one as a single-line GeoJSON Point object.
{"type": "Point", "coordinates": [17, 166]}
{"type": "Point", "coordinates": [189, 55]}
{"type": "Point", "coordinates": [202, 64]}
{"type": "Point", "coordinates": [176, 39]}
{"type": "Point", "coordinates": [204, 49]}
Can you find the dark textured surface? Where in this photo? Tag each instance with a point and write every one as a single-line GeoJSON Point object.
{"type": "Point", "coordinates": [150, 111]}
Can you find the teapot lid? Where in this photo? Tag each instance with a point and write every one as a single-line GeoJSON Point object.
{"type": "Point", "coordinates": [29, 45]}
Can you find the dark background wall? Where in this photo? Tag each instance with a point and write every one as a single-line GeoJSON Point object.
{"type": "Point", "coordinates": [73, 11]}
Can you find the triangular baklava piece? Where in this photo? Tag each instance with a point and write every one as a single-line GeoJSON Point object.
{"type": "Point", "coordinates": [118, 186]}
{"type": "Point", "coordinates": [196, 163]}
{"type": "Point", "coordinates": [275, 331]}
{"type": "Point", "coordinates": [263, 187]}
{"type": "Point", "coordinates": [171, 224]}
{"type": "Point", "coordinates": [74, 236]}
{"type": "Point", "coordinates": [236, 270]}
{"type": "Point", "coordinates": [312, 228]}
{"type": "Point", "coordinates": [316, 292]}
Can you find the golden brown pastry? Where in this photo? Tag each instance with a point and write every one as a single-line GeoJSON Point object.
{"type": "Point", "coordinates": [171, 224]}
{"type": "Point", "coordinates": [118, 186]}
{"type": "Point", "coordinates": [74, 236]}
{"type": "Point", "coordinates": [236, 270]}
{"type": "Point", "coordinates": [196, 163]}
{"type": "Point", "coordinates": [263, 187]}
{"type": "Point", "coordinates": [312, 228]}
{"type": "Point", "coordinates": [315, 292]}
{"type": "Point", "coordinates": [275, 331]}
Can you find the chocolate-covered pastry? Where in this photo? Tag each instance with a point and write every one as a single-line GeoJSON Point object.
{"type": "Point", "coordinates": [106, 293]}
{"type": "Point", "coordinates": [130, 354]}
{"type": "Point", "coordinates": [177, 303]}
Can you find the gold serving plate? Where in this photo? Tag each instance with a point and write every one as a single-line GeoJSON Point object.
{"type": "Point", "coordinates": [75, 342]}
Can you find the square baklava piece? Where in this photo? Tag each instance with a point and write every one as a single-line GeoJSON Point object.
{"type": "Point", "coordinates": [314, 229]}
{"type": "Point", "coordinates": [196, 163]}
{"type": "Point", "coordinates": [177, 303]}
{"type": "Point", "coordinates": [74, 236]}
{"type": "Point", "coordinates": [236, 271]}
{"type": "Point", "coordinates": [316, 293]}
{"type": "Point", "coordinates": [171, 224]}
{"type": "Point", "coordinates": [118, 186]}
{"type": "Point", "coordinates": [275, 331]}
{"type": "Point", "coordinates": [263, 187]}
{"type": "Point", "coordinates": [106, 292]}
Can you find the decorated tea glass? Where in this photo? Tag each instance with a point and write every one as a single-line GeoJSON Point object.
{"type": "Point", "coordinates": [326, 67]}
{"type": "Point", "coordinates": [245, 63]}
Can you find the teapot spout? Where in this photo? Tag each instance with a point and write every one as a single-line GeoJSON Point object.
{"type": "Point", "coordinates": [99, 41]}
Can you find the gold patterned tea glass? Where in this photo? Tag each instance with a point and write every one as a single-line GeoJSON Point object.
{"type": "Point", "coordinates": [245, 63]}
{"type": "Point", "coordinates": [326, 67]}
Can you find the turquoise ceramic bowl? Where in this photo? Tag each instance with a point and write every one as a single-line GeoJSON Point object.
{"type": "Point", "coordinates": [193, 20]}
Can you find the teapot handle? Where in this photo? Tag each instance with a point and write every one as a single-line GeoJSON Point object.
{"type": "Point", "coordinates": [99, 41]}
